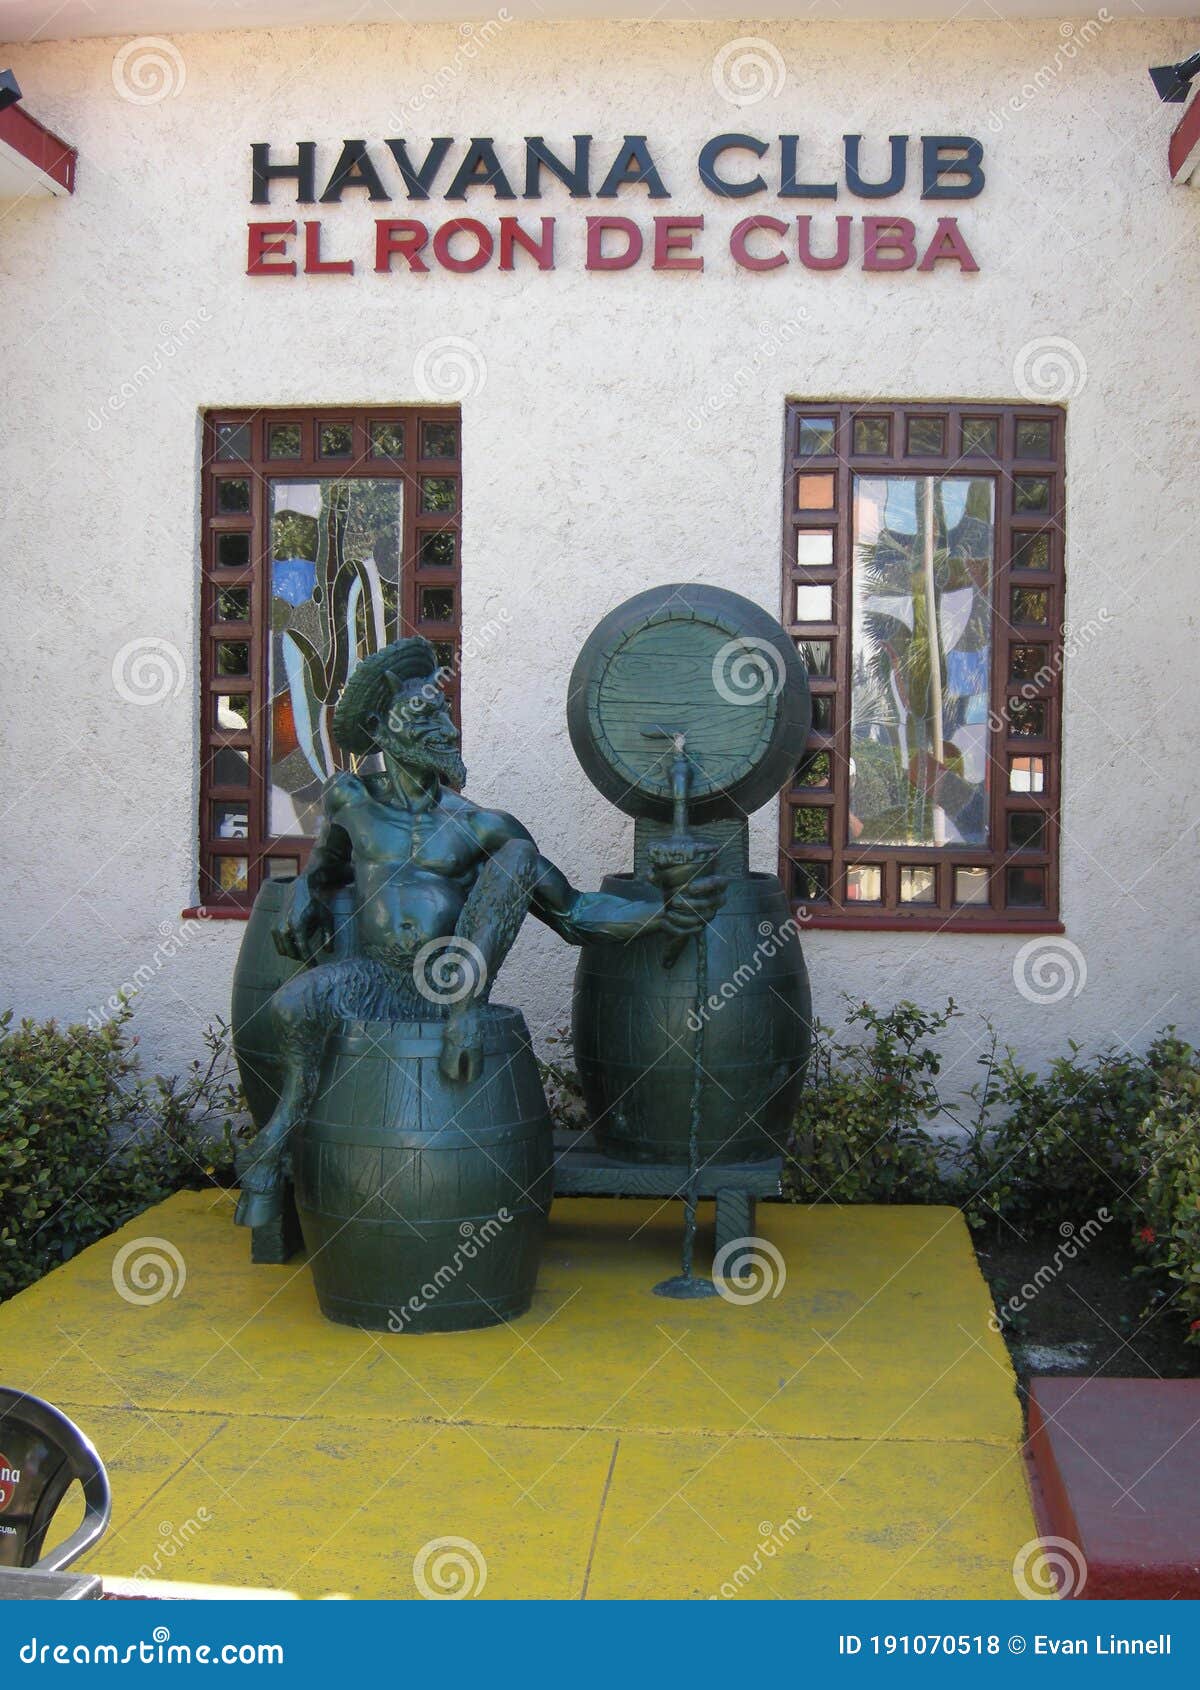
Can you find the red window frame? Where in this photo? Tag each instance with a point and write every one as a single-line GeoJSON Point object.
{"type": "Point", "coordinates": [236, 447]}
{"type": "Point", "coordinates": [815, 871]}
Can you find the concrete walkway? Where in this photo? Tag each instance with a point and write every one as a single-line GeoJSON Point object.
{"type": "Point", "coordinates": [857, 1435]}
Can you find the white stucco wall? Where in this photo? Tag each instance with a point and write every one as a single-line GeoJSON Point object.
{"type": "Point", "coordinates": [584, 481]}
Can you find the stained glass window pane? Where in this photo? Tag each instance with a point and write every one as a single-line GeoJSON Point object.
{"type": "Point", "coordinates": [233, 442]}
{"type": "Point", "coordinates": [816, 437]}
{"type": "Point", "coordinates": [437, 550]}
{"type": "Point", "coordinates": [283, 440]}
{"type": "Point", "coordinates": [387, 439]}
{"type": "Point", "coordinates": [335, 597]}
{"type": "Point", "coordinates": [871, 435]}
{"type": "Point", "coordinates": [439, 440]}
{"type": "Point", "coordinates": [926, 436]}
{"type": "Point", "coordinates": [864, 884]}
{"type": "Point", "coordinates": [921, 659]}
{"type": "Point", "coordinates": [438, 493]}
{"type": "Point", "coordinates": [810, 882]}
{"type": "Point", "coordinates": [814, 548]}
{"type": "Point", "coordinates": [233, 551]}
{"type": "Point", "coordinates": [918, 885]}
{"type": "Point", "coordinates": [978, 437]}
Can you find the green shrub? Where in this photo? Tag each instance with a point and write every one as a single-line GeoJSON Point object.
{"type": "Point", "coordinates": [1167, 1233]}
{"type": "Point", "coordinates": [564, 1094]}
{"type": "Point", "coordinates": [862, 1130]}
{"type": "Point", "coordinates": [1052, 1148]}
{"type": "Point", "coordinates": [86, 1143]}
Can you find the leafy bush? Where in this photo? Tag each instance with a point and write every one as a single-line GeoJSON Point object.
{"type": "Point", "coordinates": [86, 1143]}
{"type": "Point", "coordinates": [564, 1094]}
{"type": "Point", "coordinates": [862, 1130]}
{"type": "Point", "coordinates": [1052, 1148]}
{"type": "Point", "coordinates": [1168, 1188]}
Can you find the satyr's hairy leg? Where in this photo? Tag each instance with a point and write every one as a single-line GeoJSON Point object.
{"type": "Point", "coordinates": [304, 1010]}
{"type": "Point", "coordinates": [490, 921]}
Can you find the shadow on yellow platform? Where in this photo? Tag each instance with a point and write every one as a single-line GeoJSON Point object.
{"type": "Point", "coordinates": [855, 1435]}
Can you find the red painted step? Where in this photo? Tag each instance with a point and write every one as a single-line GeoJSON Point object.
{"type": "Point", "coordinates": [1118, 1462]}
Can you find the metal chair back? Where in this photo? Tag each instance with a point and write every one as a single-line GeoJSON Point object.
{"type": "Point", "coordinates": [42, 1452]}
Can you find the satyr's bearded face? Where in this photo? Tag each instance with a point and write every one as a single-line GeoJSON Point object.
{"type": "Point", "coordinates": [419, 733]}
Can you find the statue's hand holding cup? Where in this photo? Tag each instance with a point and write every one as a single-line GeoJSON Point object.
{"type": "Point", "coordinates": [692, 893]}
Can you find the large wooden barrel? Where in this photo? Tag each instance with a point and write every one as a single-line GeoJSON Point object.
{"type": "Point", "coordinates": [257, 976]}
{"type": "Point", "coordinates": [423, 1203]}
{"type": "Point", "coordinates": [635, 1030]}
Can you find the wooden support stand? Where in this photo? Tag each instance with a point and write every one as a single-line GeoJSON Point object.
{"type": "Point", "coordinates": [582, 1170]}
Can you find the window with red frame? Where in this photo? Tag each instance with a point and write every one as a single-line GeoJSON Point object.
{"type": "Point", "coordinates": [923, 586]}
{"type": "Point", "coordinates": [326, 534]}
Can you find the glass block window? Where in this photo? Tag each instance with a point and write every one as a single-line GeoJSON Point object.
{"type": "Point", "coordinates": [321, 546]}
{"type": "Point", "coordinates": [923, 585]}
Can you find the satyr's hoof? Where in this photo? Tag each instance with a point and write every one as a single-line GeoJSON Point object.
{"type": "Point", "coordinates": [259, 1208]}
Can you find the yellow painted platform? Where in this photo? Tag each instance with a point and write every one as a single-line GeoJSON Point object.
{"type": "Point", "coordinates": [855, 1436]}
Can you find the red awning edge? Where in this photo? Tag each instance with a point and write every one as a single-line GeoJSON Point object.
{"type": "Point", "coordinates": [1183, 154]}
{"type": "Point", "coordinates": [42, 159]}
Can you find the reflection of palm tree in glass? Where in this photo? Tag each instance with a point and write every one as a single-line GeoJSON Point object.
{"type": "Point", "coordinates": [345, 608]}
{"type": "Point", "coordinates": [910, 781]}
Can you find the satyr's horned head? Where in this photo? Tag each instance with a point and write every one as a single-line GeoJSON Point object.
{"type": "Point", "coordinates": [393, 702]}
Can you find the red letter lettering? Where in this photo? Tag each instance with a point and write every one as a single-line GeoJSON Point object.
{"type": "Point", "coordinates": [513, 236]}
{"type": "Point", "coordinates": [893, 232]}
{"type": "Point", "coordinates": [673, 237]}
{"type": "Point", "coordinates": [314, 264]}
{"type": "Point", "coordinates": [462, 226]}
{"type": "Point", "coordinates": [262, 245]}
{"type": "Point", "coordinates": [804, 243]}
{"type": "Point", "coordinates": [737, 243]}
{"type": "Point", "coordinates": [596, 258]}
{"type": "Point", "coordinates": [948, 242]}
{"type": "Point", "coordinates": [403, 235]}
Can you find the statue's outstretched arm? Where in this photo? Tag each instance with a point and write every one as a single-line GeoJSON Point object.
{"type": "Point", "coordinates": [587, 917]}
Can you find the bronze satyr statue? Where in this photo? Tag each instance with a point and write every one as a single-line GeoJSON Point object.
{"type": "Point", "coordinates": [436, 880]}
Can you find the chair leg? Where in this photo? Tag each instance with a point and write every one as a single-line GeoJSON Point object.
{"type": "Point", "coordinates": [735, 1218]}
{"type": "Point", "coordinates": [278, 1241]}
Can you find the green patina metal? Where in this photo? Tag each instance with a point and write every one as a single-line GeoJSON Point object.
{"type": "Point", "coordinates": [690, 703]}
{"type": "Point", "coordinates": [404, 1106]}
{"type": "Point", "coordinates": [394, 934]}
